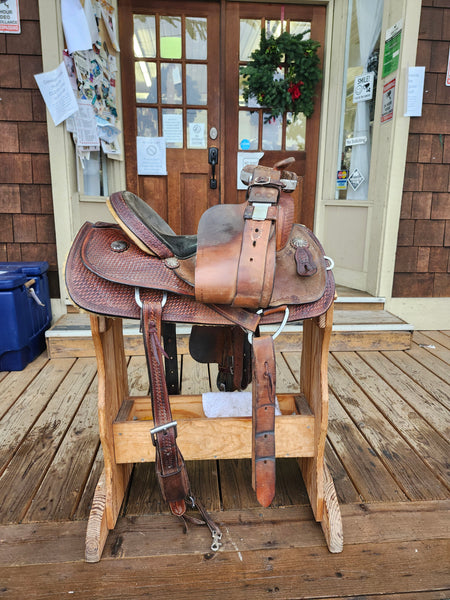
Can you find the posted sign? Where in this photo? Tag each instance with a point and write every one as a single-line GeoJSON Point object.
{"type": "Point", "coordinates": [387, 109]}
{"type": "Point", "coordinates": [9, 16]}
{"type": "Point", "coordinates": [363, 87]}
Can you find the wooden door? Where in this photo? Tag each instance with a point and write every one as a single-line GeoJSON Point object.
{"type": "Point", "coordinates": [180, 79]}
{"type": "Point", "coordinates": [279, 139]}
{"type": "Point", "coordinates": [170, 87]}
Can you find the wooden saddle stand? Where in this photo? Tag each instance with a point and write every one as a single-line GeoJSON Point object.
{"type": "Point", "coordinates": [249, 265]}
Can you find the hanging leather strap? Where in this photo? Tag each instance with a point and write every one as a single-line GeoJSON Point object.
{"type": "Point", "coordinates": [170, 466]}
{"type": "Point", "coordinates": [263, 445]}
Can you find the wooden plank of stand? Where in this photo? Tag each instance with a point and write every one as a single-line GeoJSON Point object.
{"type": "Point", "coordinates": [202, 438]}
{"type": "Point", "coordinates": [314, 386]}
{"type": "Point", "coordinates": [112, 389]}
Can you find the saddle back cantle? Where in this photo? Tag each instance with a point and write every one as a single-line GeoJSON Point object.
{"type": "Point", "coordinates": [248, 265]}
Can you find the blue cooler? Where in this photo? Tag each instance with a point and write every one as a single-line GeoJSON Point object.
{"type": "Point", "coordinates": [25, 313]}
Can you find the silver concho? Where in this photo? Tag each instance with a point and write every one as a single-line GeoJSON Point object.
{"type": "Point", "coordinates": [299, 243]}
{"type": "Point", "coordinates": [172, 262]}
{"type": "Point", "coordinates": [119, 246]}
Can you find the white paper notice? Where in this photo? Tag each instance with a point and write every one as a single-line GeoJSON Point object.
{"type": "Point", "coordinates": [75, 25]}
{"type": "Point", "coordinates": [243, 159]}
{"type": "Point", "coordinates": [414, 94]}
{"type": "Point", "coordinates": [197, 138]}
{"type": "Point", "coordinates": [151, 155]}
{"type": "Point", "coordinates": [86, 125]}
{"type": "Point", "coordinates": [57, 93]}
{"type": "Point", "coordinates": [91, 20]}
{"type": "Point", "coordinates": [173, 128]}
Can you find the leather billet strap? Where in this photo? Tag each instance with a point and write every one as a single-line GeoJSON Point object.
{"type": "Point", "coordinates": [263, 419]}
{"type": "Point", "coordinates": [170, 466]}
{"type": "Point", "coordinates": [256, 270]}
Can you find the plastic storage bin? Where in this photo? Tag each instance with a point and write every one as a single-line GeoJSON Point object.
{"type": "Point", "coordinates": [25, 313]}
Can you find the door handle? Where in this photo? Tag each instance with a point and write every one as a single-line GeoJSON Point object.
{"type": "Point", "coordinates": [213, 159]}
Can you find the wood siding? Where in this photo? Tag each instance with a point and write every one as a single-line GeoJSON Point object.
{"type": "Point", "coordinates": [422, 267]}
{"type": "Point", "coordinates": [27, 230]}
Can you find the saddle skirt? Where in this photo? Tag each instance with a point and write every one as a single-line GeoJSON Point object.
{"type": "Point", "coordinates": [238, 263]}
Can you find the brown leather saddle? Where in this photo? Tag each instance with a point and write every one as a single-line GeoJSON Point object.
{"type": "Point", "coordinates": [248, 265]}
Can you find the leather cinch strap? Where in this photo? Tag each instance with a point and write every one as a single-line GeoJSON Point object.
{"type": "Point", "coordinates": [263, 449]}
{"type": "Point", "coordinates": [170, 466]}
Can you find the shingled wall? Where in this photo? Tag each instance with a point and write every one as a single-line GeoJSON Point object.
{"type": "Point", "coordinates": [422, 266]}
{"type": "Point", "coordinates": [27, 231]}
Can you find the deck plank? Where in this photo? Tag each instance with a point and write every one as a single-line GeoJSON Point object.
{"type": "Point", "coordinates": [428, 444]}
{"type": "Point", "coordinates": [14, 383]}
{"type": "Point", "coordinates": [85, 503]}
{"type": "Point", "coordinates": [411, 473]}
{"type": "Point", "coordinates": [60, 491]}
{"type": "Point", "coordinates": [367, 472]}
{"type": "Point", "coordinates": [21, 416]}
{"type": "Point", "coordinates": [422, 375]}
{"type": "Point", "coordinates": [414, 394]}
{"type": "Point", "coordinates": [29, 464]}
{"type": "Point", "coordinates": [345, 490]}
{"type": "Point", "coordinates": [194, 376]}
{"type": "Point", "coordinates": [432, 346]}
{"type": "Point", "coordinates": [439, 337]}
{"type": "Point", "coordinates": [438, 367]}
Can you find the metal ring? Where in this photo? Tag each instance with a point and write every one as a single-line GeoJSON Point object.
{"type": "Point", "coordinates": [331, 261]}
{"type": "Point", "coordinates": [282, 324]}
{"type": "Point", "coordinates": [137, 298]}
{"type": "Point", "coordinates": [250, 334]}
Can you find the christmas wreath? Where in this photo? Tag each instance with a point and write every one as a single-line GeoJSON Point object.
{"type": "Point", "coordinates": [283, 74]}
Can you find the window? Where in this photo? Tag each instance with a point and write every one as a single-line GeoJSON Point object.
{"type": "Point", "coordinates": [256, 132]}
{"type": "Point", "coordinates": [358, 102]}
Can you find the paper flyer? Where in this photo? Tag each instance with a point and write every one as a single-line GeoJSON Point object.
{"type": "Point", "coordinates": [75, 25]}
{"type": "Point", "coordinates": [151, 155]}
{"type": "Point", "coordinates": [57, 92]}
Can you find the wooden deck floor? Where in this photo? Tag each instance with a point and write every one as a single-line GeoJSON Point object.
{"type": "Point", "coordinates": [387, 449]}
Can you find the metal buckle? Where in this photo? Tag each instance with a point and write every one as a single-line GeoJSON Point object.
{"type": "Point", "coordinates": [165, 427]}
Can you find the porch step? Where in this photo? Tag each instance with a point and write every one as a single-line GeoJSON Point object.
{"type": "Point", "coordinates": [353, 330]}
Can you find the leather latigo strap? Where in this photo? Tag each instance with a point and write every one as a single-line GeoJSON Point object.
{"type": "Point", "coordinates": [263, 419]}
{"type": "Point", "coordinates": [170, 466]}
